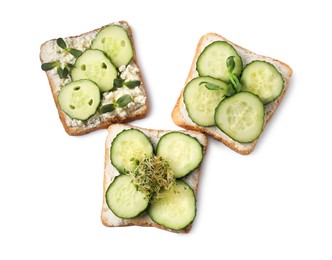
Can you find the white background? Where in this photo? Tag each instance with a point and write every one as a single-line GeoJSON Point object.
{"type": "Point", "coordinates": [275, 203]}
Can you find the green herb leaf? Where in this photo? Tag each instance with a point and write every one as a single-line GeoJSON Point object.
{"type": "Point", "coordinates": [118, 83]}
{"type": "Point", "coordinates": [124, 100]}
{"type": "Point", "coordinates": [63, 73]}
{"type": "Point", "coordinates": [236, 83]}
{"type": "Point", "coordinates": [69, 66]}
{"type": "Point", "coordinates": [49, 65]}
{"type": "Point", "coordinates": [75, 53]}
{"type": "Point", "coordinates": [230, 90]}
{"type": "Point", "coordinates": [60, 72]}
{"type": "Point", "coordinates": [61, 43]}
{"type": "Point", "coordinates": [230, 63]}
{"type": "Point", "coordinates": [107, 108]}
{"type": "Point", "coordinates": [132, 84]}
{"type": "Point", "coordinates": [210, 86]}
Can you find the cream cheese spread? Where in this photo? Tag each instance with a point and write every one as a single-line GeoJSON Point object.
{"type": "Point", "coordinates": [52, 52]}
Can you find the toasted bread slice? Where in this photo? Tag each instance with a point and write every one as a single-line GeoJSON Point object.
{"type": "Point", "coordinates": [110, 172]}
{"type": "Point", "coordinates": [180, 115]}
{"type": "Point", "coordinates": [50, 52]}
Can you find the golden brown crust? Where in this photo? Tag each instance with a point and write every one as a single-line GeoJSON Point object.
{"type": "Point", "coordinates": [137, 114]}
{"type": "Point", "coordinates": [179, 109]}
{"type": "Point", "coordinates": [144, 219]}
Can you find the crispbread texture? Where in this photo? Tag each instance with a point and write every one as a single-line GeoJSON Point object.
{"type": "Point", "coordinates": [49, 52]}
{"type": "Point", "coordinates": [180, 115]}
{"type": "Point", "coordinates": [110, 172]}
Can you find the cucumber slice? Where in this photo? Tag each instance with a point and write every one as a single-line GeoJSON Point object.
{"type": "Point", "coordinates": [94, 65]}
{"type": "Point", "coordinates": [176, 207]}
{"type": "Point", "coordinates": [115, 42]}
{"type": "Point", "coordinates": [124, 199]}
{"type": "Point", "coordinates": [183, 152]}
{"type": "Point", "coordinates": [201, 102]}
{"type": "Point", "coordinates": [241, 116]}
{"type": "Point", "coordinates": [79, 99]}
{"type": "Point", "coordinates": [128, 145]}
{"type": "Point", "coordinates": [212, 61]}
{"type": "Point", "coordinates": [262, 79]}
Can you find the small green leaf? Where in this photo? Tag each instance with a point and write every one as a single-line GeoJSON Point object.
{"type": "Point", "coordinates": [118, 83]}
{"type": "Point", "coordinates": [75, 53]}
{"type": "Point", "coordinates": [60, 72]}
{"type": "Point", "coordinates": [49, 65]}
{"type": "Point", "coordinates": [107, 108]}
{"type": "Point", "coordinates": [63, 73]}
{"type": "Point", "coordinates": [61, 43]}
{"type": "Point", "coordinates": [230, 90]}
{"type": "Point", "coordinates": [69, 66]}
{"type": "Point", "coordinates": [210, 86]}
{"type": "Point", "coordinates": [132, 84]}
{"type": "Point", "coordinates": [124, 100]}
{"type": "Point", "coordinates": [236, 83]}
{"type": "Point", "coordinates": [230, 63]}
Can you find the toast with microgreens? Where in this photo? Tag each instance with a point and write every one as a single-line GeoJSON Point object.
{"type": "Point", "coordinates": [231, 93]}
{"type": "Point", "coordinates": [95, 78]}
{"type": "Point", "coordinates": [151, 177]}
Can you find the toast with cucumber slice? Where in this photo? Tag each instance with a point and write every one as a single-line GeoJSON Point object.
{"type": "Point", "coordinates": [95, 78]}
{"type": "Point", "coordinates": [151, 177]}
{"type": "Point", "coordinates": [231, 93]}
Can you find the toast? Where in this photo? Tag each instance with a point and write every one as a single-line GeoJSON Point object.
{"type": "Point", "coordinates": [138, 108]}
{"type": "Point", "coordinates": [108, 218]}
{"type": "Point", "coordinates": [180, 115]}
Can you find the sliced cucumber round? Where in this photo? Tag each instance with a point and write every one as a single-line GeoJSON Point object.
{"type": "Point", "coordinates": [212, 61]}
{"type": "Point", "coordinates": [262, 79]}
{"type": "Point", "coordinates": [124, 199]}
{"type": "Point", "coordinates": [127, 147]}
{"type": "Point", "coordinates": [176, 207]}
{"type": "Point", "coordinates": [94, 65]}
{"type": "Point", "coordinates": [115, 42]}
{"type": "Point", "coordinates": [183, 152]}
{"type": "Point", "coordinates": [79, 99]}
{"type": "Point", "coordinates": [201, 102]}
{"type": "Point", "coordinates": [241, 116]}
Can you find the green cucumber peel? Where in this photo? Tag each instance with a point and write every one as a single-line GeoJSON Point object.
{"type": "Point", "coordinates": [235, 82]}
{"type": "Point", "coordinates": [120, 102]}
